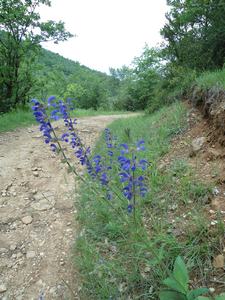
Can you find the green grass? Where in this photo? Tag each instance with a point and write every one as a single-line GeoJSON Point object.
{"type": "Point", "coordinates": [15, 119]}
{"type": "Point", "coordinates": [24, 118]}
{"type": "Point", "coordinates": [212, 79]}
{"type": "Point", "coordinates": [122, 259]}
{"type": "Point", "coordinates": [91, 112]}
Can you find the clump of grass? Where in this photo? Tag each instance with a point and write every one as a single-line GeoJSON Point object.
{"type": "Point", "coordinates": [16, 118]}
{"type": "Point", "coordinates": [211, 79]}
{"type": "Point", "coordinates": [91, 112]}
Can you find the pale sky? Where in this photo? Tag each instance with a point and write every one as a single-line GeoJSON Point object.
{"type": "Point", "coordinates": [110, 33]}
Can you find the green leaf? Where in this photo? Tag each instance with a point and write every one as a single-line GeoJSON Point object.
{"type": "Point", "coordinates": [192, 295]}
{"type": "Point", "coordinates": [202, 298]}
{"type": "Point", "coordinates": [171, 295]}
{"type": "Point", "coordinates": [220, 297]}
{"type": "Point", "coordinates": [174, 285]}
{"type": "Point", "coordinates": [63, 160]}
{"type": "Point", "coordinates": [180, 273]}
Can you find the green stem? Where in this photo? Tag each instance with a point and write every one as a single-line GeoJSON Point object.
{"type": "Point", "coordinates": [120, 212]}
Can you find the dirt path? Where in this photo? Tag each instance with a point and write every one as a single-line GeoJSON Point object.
{"type": "Point", "coordinates": [37, 227]}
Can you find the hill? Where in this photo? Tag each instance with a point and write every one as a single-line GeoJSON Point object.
{"type": "Point", "coordinates": [62, 77]}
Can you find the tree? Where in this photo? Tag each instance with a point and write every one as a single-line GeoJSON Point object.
{"type": "Point", "coordinates": [137, 84]}
{"type": "Point", "coordinates": [21, 33]}
{"type": "Point", "coordinates": [194, 33]}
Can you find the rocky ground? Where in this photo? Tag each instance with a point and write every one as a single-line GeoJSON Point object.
{"type": "Point", "coordinates": [201, 148]}
{"type": "Point", "coordinates": [37, 223]}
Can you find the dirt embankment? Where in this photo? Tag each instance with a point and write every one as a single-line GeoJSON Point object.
{"type": "Point", "coordinates": [37, 227]}
{"type": "Point", "coordinates": [212, 104]}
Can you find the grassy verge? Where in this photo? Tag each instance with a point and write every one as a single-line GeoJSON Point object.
{"type": "Point", "coordinates": [120, 259]}
{"type": "Point", "coordinates": [14, 119]}
{"type": "Point", "coordinates": [91, 112]}
{"type": "Point", "coordinates": [211, 79]}
{"type": "Point", "coordinates": [23, 118]}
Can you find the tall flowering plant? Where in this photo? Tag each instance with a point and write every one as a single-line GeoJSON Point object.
{"type": "Point", "coordinates": [119, 160]}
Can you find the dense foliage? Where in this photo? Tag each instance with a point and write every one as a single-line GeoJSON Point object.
{"type": "Point", "coordinates": [193, 43]}
{"type": "Point", "coordinates": [65, 78]}
{"type": "Point", "coordinates": [195, 33]}
{"type": "Point", "coordinates": [21, 34]}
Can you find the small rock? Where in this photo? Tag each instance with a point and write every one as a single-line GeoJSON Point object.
{"type": "Point", "coordinates": [147, 269]}
{"type": "Point", "coordinates": [12, 247]}
{"type": "Point", "coordinates": [15, 267]}
{"type": "Point", "coordinates": [19, 255]}
{"type": "Point", "coordinates": [162, 166]}
{"type": "Point", "coordinates": [173, 207]}
{"type": "Point", "coordinates": [36, 174]}
{"type": "Point", "coordinates": [218, 261]}
{"type": "Point", "coordinates": [27, 220]}
{"type": "Point", "coordinates": [86, 130]}
{"type": "Point", "coordinates": [213, 223]}
{"type": "Point", "coordinates": [10, 264]}
{"type": "Point", "coordinates": [30, 254]}
{"type": "Point", "coordinates": [63, 204]}
{"type": "Point", "coordinates": [212, 290]}
{"type": "Point", "coordinates": [3, 288]}
{"type": "Point", "coordinates": [215, 191]}
{"type": "Point", "coordinates": [52, 290]}
{"type": "Point", "coordinates": [3, 250]}
{"type": "Point", "coordinates": [43, 205]}
{"type": "Point", "coordinates": [197, 144]}
{"type": "Point", "coordinates": [113, 249]}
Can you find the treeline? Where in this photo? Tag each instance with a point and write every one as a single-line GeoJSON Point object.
{"type": "Point", "coordinates": [28, 71]}
{"type": "Point", "coordinates": [194, 43]}
{"type": "Point", "coordinates": [64, 78]}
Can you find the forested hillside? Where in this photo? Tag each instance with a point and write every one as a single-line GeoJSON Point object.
{"type": "Point", "coordinates": [27, 70]}
{"type": "Point", "coordinates": [64, 78]}
{"type": "Point", "coordinates": [193, 44]}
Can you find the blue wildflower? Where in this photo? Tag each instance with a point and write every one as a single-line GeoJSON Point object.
{"type": "Point", "coordinates": [130, 208]}
{"type": "Point", "coordinates": [65, 137]}
{"type": "Point", "coordinates": [140, 145]}
{"type": "Point", "coordinates": [104, 179]}
{"type": "Point", "coordinates": [50, 100]}
{"type": "Point", "coordinates": [125, 149]}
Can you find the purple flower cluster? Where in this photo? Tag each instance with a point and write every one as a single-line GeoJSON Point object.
{"type": "Point", "coordinates": [41, 117]}
{"type": "Point", "coordinates": [130, 169]}
{"type": "Point", "coordinates": [120, 159]}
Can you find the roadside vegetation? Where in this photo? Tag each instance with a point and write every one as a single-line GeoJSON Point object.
{"type": "Point", "coordinates": [23, 118]}
{"type": "Point", "coordinates": [130, 261]}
